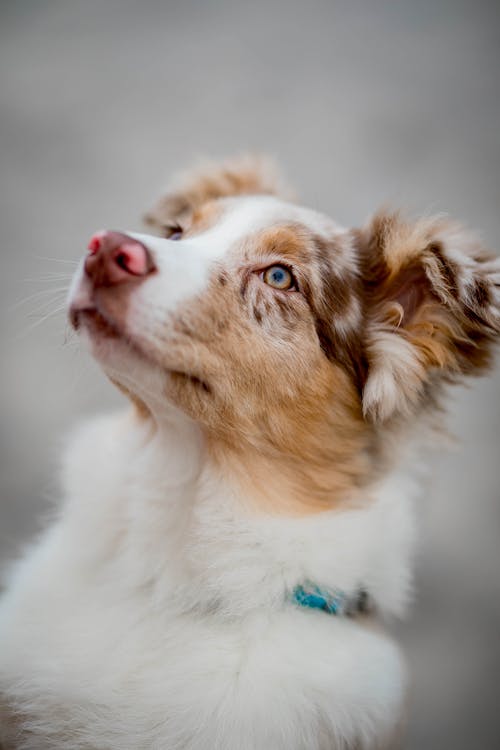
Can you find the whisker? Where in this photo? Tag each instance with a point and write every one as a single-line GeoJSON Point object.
{"type": "Point", "coordinates": [46, 314]}
{"type": "Point", "coordinates": [41, 320]}
{"type": "Point", "coordinates": [70, 336]}
{"type": "Point", "coordinates": [49, 276]}
{"type": "Point", "coordinates": [42, 293]}
{"type": "Point", "coordinates": [57, 260]}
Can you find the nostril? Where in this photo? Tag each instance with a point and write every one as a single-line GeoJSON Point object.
{"type": "Point", "coordinates": [132, 257]}
{"type": "Point", "coordinates": [121, 261]}
{"type": "Point", "coordinates": [95, 242]}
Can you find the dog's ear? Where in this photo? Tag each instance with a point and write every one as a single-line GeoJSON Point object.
{"type": "Point", "coordinates": [432, 309]}
{"type": "Point", "coordinates": [244, 175]}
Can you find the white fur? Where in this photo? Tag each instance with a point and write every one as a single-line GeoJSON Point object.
{"type": "Point", "coordinates": [155, 612]}
{"type": "Point", "coordinates": [396, 376]}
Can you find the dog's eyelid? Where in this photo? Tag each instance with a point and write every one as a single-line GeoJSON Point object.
{"type": "Point", "coordinates": [173, 230]}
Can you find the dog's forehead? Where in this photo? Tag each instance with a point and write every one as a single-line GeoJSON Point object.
{"type": "Point", "coordinates": [241, 217]}
{"type": "Point", "coordinates": [234, 220]}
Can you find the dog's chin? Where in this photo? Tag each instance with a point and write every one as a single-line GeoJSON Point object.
{"type": "Point", "coordinates": [121, 358]}
{"type": "Point", "coordinates": [128, 365]}
{"type": "Point", "coordinates": [108, 342]}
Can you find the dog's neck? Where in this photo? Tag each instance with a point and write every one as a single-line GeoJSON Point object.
{"type": "Point", "coordinates": [199, 540]}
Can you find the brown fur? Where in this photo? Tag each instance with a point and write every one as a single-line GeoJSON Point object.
{"type": "Point", "coordinates": [272, 403]}
{"type": "Point", "coordinates": [203, 217]}
{"type": "Point", "coordinates": [303, 394]}
{"type": "Point", "coordinates": [245, 175]}
{"type": "Point", "coordinates": [429, 288]}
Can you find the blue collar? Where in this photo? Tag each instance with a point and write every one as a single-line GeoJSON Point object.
{"type": "Point", "coordinates": [332, 602]}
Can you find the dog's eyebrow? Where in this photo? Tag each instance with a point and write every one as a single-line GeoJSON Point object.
{"type": "Point", "coordinates": [204, 218]}
{"type": "Point", "coordinates": [288, 239]}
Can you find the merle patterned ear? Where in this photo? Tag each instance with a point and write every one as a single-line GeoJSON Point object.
{"type": "Point", "coordinates": [244, 175]}
{"type": "Point", "coordinates": [432, 300]}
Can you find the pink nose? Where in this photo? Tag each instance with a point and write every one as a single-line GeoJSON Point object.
{"type": "Point", "coordinates": [116, 258]}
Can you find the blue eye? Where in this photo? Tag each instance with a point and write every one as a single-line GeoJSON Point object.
{"type": "Point", "coordinates": [279, 277]}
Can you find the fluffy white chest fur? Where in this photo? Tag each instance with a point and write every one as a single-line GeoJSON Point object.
{"type": "Point", "coordinates": [156, 613]}
{"type": "Point", "coordinates": [279, 367]}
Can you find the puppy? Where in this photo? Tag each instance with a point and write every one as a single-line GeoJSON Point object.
{"type": "Point", "coordinates": [228, 550]}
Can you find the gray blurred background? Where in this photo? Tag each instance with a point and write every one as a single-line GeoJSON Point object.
{"type": "Point", "coordinates": [363, 103]}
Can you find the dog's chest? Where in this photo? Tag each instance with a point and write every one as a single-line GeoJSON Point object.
{"type": "Point", "coordinates": [94, 670]}
{"type": "Point", "coordinates": [153, 615]}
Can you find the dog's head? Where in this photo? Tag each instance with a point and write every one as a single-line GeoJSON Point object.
{"type": "Point", "coordinates": [283, 334]}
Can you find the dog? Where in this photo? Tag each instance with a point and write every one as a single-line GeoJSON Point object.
{"type": "Point", "coordinates": [229, 549]}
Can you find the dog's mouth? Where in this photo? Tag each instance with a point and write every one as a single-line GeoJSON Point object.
{"type": "Point", "coordinates": [101, 326]}
{"type": "Point", "coordinates": [94, 321]}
